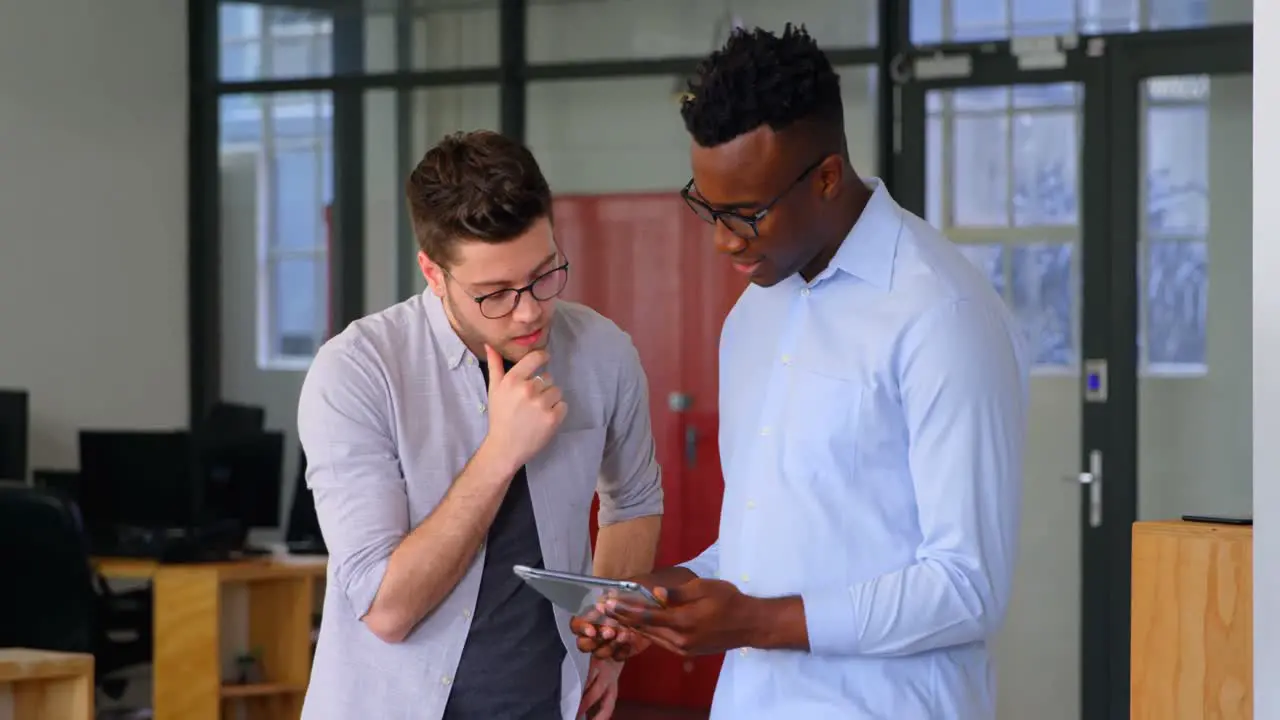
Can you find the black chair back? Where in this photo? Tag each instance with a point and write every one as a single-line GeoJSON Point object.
{"type": "Point", "coordinates": [49, 601]}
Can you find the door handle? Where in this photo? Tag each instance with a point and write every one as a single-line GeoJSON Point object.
{"type": "Point", "coordinates": [690, 445]}
{"type": "Point", "coordinates": [1093, 479]}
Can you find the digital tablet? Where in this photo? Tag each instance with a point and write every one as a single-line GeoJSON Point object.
{"type": "Point", "coordinates": [579, 593]}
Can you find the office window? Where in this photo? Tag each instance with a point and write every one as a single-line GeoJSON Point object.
{"type": "Point", "coordinates": [1002, 183]}
{"type": "Point", "coordinates": [1003, 176]}
{"type": "Point", "coordinates": [277, 159]}
{"type": "Point", "coordinates": [257, 42]}
{"type": "Point", "coordinates": [936, 21]}
{"type": "Point", "coordinates": [1175, 225]}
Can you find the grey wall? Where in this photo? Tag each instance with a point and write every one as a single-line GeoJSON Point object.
{"type": "Point", "coordinates": [1266, 350]}
{"type": "Point", "coordinates": [93, 242]}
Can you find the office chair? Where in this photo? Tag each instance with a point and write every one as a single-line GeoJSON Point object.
{"type": "Point", "coordinates": [54, 599]}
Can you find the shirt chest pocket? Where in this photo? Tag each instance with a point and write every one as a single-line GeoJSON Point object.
{"type": "Point", "coordinates": [819, 430]}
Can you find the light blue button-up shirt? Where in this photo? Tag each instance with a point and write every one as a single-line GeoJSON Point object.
{"type": "Point", "coordinates": [871, 435]}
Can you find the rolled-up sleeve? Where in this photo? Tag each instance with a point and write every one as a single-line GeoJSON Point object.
{"type": "Point", "coordinates": [352, 469]}
{"type": "Point", "coordinates": [630, 484]}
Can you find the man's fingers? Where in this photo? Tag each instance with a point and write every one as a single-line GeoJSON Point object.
{"type": "Point", "coordinates": [607, 703]}
{"type": "Point", "coordinates": [606, 651]}
{"type": "Point", "coordinates": [594, 692]}
{"type": "Point", "coordinates": [641, 618]}
{"type": "Point", "coordinates": [668, 639]}
{"type": "Point", "coordinates": [551, 397]}
{"type": "Point", "coordinates": [528, 365]}
{"type": "Point", "coordinates": [496, 369]}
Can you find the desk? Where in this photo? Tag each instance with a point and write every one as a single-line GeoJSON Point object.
{"type": "Point", "coordinates": [44, 685]}
{"type": "Point", "coordinates": [1192, 622]}
{"type": "Point", "coordinates": [187, 676]}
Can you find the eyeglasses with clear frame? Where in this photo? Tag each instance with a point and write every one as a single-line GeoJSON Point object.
{"type": "Point", "coordinates": [743, 225]}
{"type": "Point", "coordinates": [501, 303]}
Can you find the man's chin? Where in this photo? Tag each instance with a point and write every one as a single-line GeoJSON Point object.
{"type": "Point", "coordinates": [514, 351]}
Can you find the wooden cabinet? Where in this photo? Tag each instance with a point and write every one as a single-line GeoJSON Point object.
{"type": "Point", "coordinates": [647, 263]}
{"type": "Point", "coordinates": [187, 676]}
{"type": "Point", "coordinates": [44, 685]}
{"type": "Point", "coordinates": [1192, 622]}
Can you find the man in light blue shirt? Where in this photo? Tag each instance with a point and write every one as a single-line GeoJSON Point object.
{"type": "Point", "coordinates": [873, 391]}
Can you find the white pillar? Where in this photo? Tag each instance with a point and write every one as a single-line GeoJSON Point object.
{"type": "Point", "coordinates": [1266, 360]}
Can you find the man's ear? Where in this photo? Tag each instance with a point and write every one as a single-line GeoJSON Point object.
{"type": "Point", "coordinates": [831, 174]}
{"type": "Point", "coordinates": [432, 273]}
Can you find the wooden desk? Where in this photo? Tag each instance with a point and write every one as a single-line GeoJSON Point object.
{"type": "Point", "coordinates": [1191, 651]}
{"type": "Point", "coordinates": [187, 676]}
{"type": "Point", "coordinates": [44, 685]}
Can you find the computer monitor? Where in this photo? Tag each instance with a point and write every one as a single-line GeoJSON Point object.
{"type": "Point", "coordinates": [63, 483]}
{"type": "Point", "coordinates": [14, 420]}
{"type": "Point", "coordinates": [137, 479]}
{"type": "Point", "coordinates": [232, 420]}
{"type": "Point", "coordinates": [241, 479]}
{"type": "Point", "coordinates": [302, 535]}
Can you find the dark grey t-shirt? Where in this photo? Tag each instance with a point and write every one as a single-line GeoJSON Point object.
{"type": "Point", "coordinates": [510, 666]}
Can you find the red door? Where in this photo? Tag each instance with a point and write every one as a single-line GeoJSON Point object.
{"type": "Point", "coordinates": [647, 263]}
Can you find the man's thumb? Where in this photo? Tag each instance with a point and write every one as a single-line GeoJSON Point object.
{"type": "Point", "coordinates": [496, 370]}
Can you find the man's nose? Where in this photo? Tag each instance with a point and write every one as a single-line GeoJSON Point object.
{"type": "Point", "coordinates": [528, 310]}
{"type": "Point", "coordinates": [727, 241]}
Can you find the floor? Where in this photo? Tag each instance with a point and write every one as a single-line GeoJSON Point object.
{"type": "Point", "coordinates": [651, 712]}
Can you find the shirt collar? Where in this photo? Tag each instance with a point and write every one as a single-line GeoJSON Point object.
{"type": "Point", "coordinates": [446, 337]}
{"type": "Point", "coordinates": [868, 251]}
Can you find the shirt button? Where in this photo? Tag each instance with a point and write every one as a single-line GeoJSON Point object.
{"type": "Point", "coordinates": [481, 408]}
{"type": "Point", "coordinates": [746, 578]}
{"type": "Point", "coordinates": [466, 614]}
{"type": "Point", "coordinates": [446, 680]}
{"type": "Point", "coordinates": [742, 651]}
{"type": "Point", "coordinates": [751, 504]}
{"type": "Point", "coordinates": [805, 292]}
{"type": "Point", "coordinates": [765, 431]}
{"type": "Point", "coordinates": [786, 359]}
{"type": "Point", "coordinates": [471, 360]}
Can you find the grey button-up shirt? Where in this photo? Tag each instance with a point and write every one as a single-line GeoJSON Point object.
{"type": "Point", "coordinates": [390, 412]}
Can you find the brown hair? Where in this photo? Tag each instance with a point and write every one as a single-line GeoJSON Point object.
{"type": "Point", "coordinates": [477, 185]}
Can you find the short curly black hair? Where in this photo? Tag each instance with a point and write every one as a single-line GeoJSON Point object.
{"type": "Point", "coordinates": [759, 78]}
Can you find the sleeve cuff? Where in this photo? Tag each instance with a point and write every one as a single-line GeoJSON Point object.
{"type": "Point", "coordinates": [650, 506]}
{"type": "Point", "coordinates": [702, 566]}
{"type": "Point", "coordinates": [828, 620]}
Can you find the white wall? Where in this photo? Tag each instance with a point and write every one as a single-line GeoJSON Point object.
{"type": "Point", "coordinates": [93, 236]}
{"type": "Point", "coordinates": [1266, 356]}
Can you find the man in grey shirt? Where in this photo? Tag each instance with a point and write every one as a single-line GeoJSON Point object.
{"type": "Point", "coordinates": [462, 432]}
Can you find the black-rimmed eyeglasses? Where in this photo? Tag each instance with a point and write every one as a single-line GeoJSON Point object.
{"type": "Point", "coordinates": [501, 303]}
{"type": "Point", "coordinates": [745, 226]}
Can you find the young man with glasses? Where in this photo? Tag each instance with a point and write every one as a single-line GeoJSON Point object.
{"type": "Point", "coordinates": [873, 392]}
{"type": "Point", "coordinates": [460, 433]}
